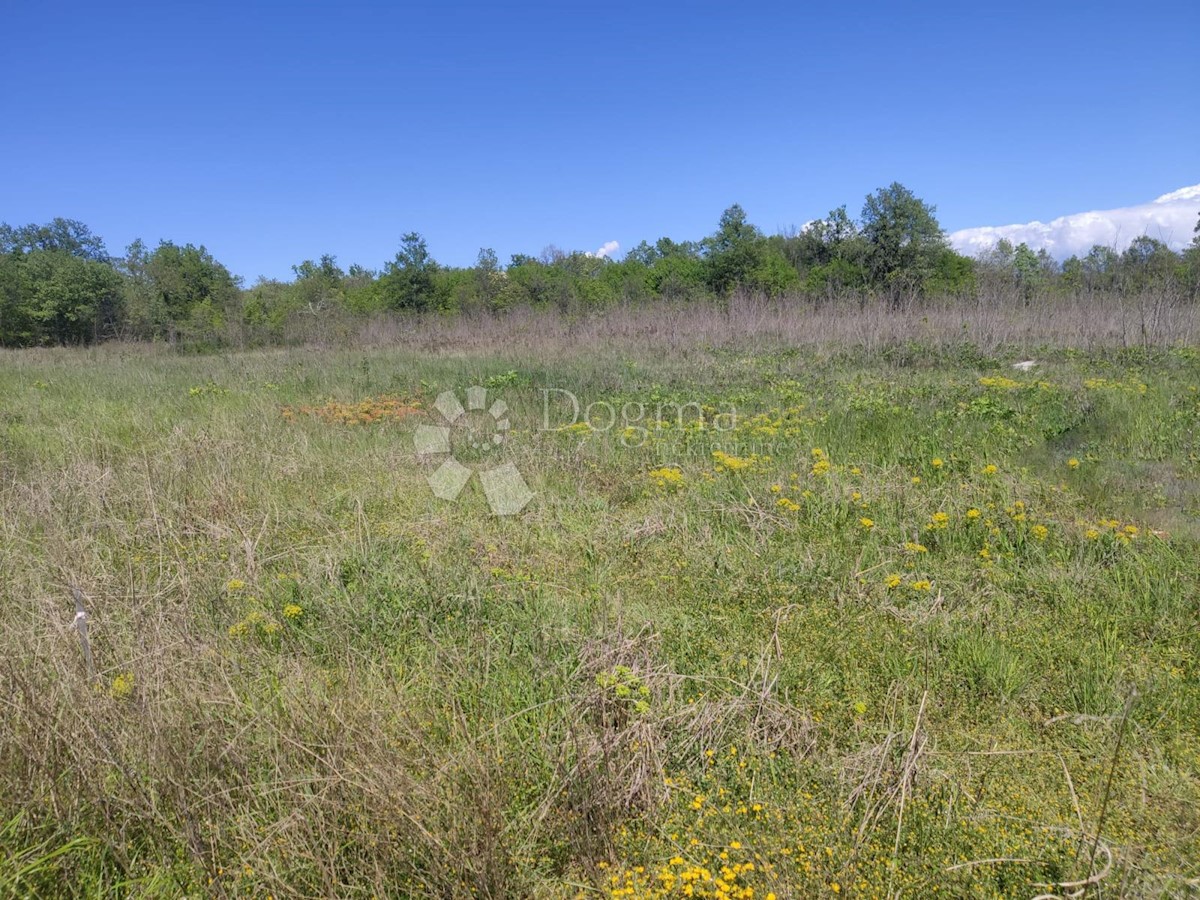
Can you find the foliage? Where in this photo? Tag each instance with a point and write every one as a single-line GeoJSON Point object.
{"type": "Point", "coordinates": [874, 636]}
{"type": "Point", "coordinates": [408, 280]}
{"type": "Point", "coordinates": [734, 252]}
{"type": "Point", "coordinates": [905, 241]}
{"type": "Point", "coordinates": [64, 235]}
{"type": "Point", "coordinates": [52, 291]}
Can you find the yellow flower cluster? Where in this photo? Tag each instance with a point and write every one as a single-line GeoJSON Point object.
{"type": "Point", "coordinates": [122, 686]}
{"type": "Point", "coordinates": [894, 581]}
{"type": "Point", "coordinates": [254, 623]}
{"type": "Point", "coordinates": [1000, 382]}
{"type": "Point", "coordinates": [210, 388]}
{"type": "Point", "coordinates": [667, 478]}
{"type": "Point", "coordinates": [625, 685]}
{"type": "Point", "coordinates": [939, 521]}
{"type": "Point", "coordinates": [1131, 385]}
{"type": "Point", "coordinates": [679, 878]}
{"type": "Point", "coordinates": [1114, 530]}
{"type": "Point", "coordinates": [730, 463]}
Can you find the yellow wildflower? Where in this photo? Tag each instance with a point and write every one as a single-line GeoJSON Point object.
{"type": "Point", "coordinates": [732, 463]}
{"type": "Point", "coordinates": [122, 686]}
{"type": "Point", "coordinates": [668, 477]}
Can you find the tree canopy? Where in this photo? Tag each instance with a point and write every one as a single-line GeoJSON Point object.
{"type": "Point", "coordinates": [58, 283]}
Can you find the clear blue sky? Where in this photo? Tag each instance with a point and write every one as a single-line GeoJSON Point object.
{"type": "Point", "coordinates": [276, 132]}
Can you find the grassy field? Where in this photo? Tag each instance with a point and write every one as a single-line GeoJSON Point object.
{"type": "Point", "coordinates": [790, 618]}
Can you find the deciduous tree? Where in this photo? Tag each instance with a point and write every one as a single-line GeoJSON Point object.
{"type": "Point", "coordinates": [905, 241]}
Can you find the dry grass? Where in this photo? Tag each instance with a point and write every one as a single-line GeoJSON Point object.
{"type": "Point", "coordinates": [989, 322]}
{"type": "Point", "coordinates": [464, 705]}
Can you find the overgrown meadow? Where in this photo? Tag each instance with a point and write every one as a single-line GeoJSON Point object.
{"type": "Point", "coordinates": [783, 620]}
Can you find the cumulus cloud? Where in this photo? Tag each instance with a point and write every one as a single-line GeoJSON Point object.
{"type": "Point", "coordinates": [1170, 219]}
{"type": "Point", "coordinates": [609, 248]}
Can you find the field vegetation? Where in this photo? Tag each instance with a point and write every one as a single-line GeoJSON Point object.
{"type": "Point", "coordinates": [836, 603]}
{"type": "Point", "coordinates": [59, 283]}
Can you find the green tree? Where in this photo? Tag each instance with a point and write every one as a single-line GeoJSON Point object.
{"type": "Point", "coordinates": [193, 294]}
{"type": "Point", "coordinates": [18, 328]}
{"type": "Point", "coordinates": [1147, 263]}
{"type": "Point", "coordinates": [73, 299]}
{"type": "Point", "coordinates": [953, 273]}
{"type": "Point", "coordinates": [66, 235]}
{"type": "Point", "coordinates": [1100, 268]}
{"type": "Point", "coordinates": [1072, 274]}
{"type": "Point", "coordinates": [145, 312]}
{"type": "Point", "coordinates": [773, 275]}
{"type": "Point", "coordinates": [407, 282]}
{"type": "Point", "coordinates": [318, 285]}
{"type": "Point", "coordinates": [905, 241]}
{"type": "Point", "coordinates": [831, 254]}
{"type": "Point", "coordinates": [733, 252]}
{"type": "Point", "coordinates": [57, 285]}
{"type": "Point", "coordinates": [1028, 271]}
{"type": "Point", "coordinates": [489, 279]}
{"type": "Point", "coordinates": [266, 308]}
{"type": "Point", "coordinates": [821, 242]}
{"type": "Point", "coordinates": [1191, 264]}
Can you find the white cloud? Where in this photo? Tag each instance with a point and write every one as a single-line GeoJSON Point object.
{"type": "Point", "coordinates": [1170, 219]}
{"type": "Point", "coordinates": [609, 248]}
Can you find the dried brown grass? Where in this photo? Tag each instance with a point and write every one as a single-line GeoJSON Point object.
{"type": "Point", "coordinates": [995, 319]}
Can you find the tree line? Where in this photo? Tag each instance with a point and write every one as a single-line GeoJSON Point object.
{"type": "Point", "coordinates": [59, 285]}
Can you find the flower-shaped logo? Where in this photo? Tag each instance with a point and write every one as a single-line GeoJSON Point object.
{"type": "Point", "coordinates": [477, 433]}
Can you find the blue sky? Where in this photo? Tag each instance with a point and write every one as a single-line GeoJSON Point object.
{"type": "Point", "coordinates": [276, 132]}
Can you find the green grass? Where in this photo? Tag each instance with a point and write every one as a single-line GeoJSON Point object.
{"type": "Point", "coordinates": [317, 679]}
